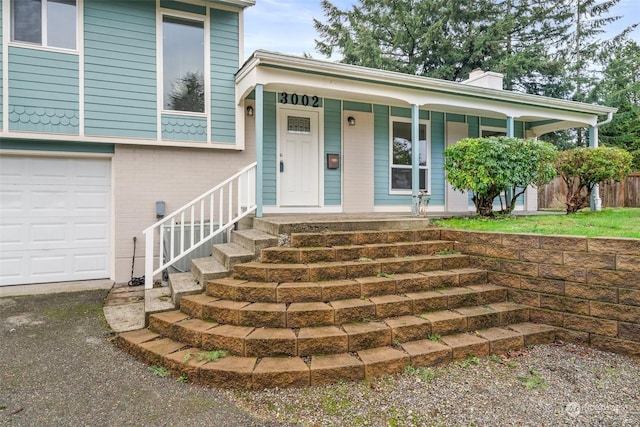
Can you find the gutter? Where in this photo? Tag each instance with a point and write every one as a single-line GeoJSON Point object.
{"type": "Point", "coordinates": [346, 71]}
{"type": "Point", "coordinates": [607, 120]}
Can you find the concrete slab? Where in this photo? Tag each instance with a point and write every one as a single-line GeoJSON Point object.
{"type": "Point", "coordinates": [125, 317]}
{"type": "Point", "coordinates": [55, 288]}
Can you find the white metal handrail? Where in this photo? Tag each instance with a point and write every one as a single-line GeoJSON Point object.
{"type": "Point", "coordinates": [238, 193]}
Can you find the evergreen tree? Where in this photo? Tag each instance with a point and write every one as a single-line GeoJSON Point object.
{"type": "Point", "coordinates": [585, 48]}
{"type": "Point", "coordinates": [448, 39]}
{"type": "Point", "coordinates": [620, 88]}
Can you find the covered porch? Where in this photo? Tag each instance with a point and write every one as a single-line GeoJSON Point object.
{"type": "Point", "coordinates": [336, 138]}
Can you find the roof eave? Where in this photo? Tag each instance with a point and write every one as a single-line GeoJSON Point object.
{"type": "Point", "coordinates": [261, 57]}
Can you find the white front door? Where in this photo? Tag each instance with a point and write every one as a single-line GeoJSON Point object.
{"type": "Point", "coordinates": [298, 158]}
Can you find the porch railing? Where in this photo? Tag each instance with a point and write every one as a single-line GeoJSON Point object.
{"type": "Point", "coordinates": [219, 208]}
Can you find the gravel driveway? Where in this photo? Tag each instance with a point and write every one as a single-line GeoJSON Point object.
{"type": "Point", "coordinates": [59, 368]}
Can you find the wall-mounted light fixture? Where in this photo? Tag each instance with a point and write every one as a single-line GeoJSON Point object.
{"type": "Point", "coordinates": [351, 120]}
{"type": "Point", "coordinates": [160, 209]}
{"type": "Point", "coordinates": [250, 111]}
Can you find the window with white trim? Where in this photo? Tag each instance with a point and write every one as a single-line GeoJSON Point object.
{"type": "Point", "coordinates": [400, 173]}
{"type": "Point", "coordinates": [183, 58]}
{"type": "Point", "coordinates": [49, 23]}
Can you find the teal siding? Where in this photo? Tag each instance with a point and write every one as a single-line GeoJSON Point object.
{"type": "Point", "coordinates": [182, 128]}
{"type": "Point", "coordinates": [437, 158]}
{"type": "Point", "coordinates": [59, 146]}
{"type": "Point", "coordinates": [498, 123]}
{"type": "Point", "coordinates": [224, 64]}
{"type": "Point", "coordinates": [406, 113]}
{"type": "Point", "coordinates": [456, 118]}
{"type": "Point", "coordinates": [184, 7]}
{"type": "Point", "coordinates": [269, 149]}
{"type": "Point", "coordinates": [519, 129]}
{"type": "Point", "coordinates": [120, 68]}
{"type": "Point", "coordinates": [381, 159]}
{"type": "Point", "coordinates": [43, 95]}
{"type": "Point", "coordinates": [332, 144]}
{"type": "Point", "coordinates": [356, 106]}
{"type": "Point", "coordinates": [474, 126]}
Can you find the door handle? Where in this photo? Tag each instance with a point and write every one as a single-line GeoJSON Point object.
{"type": "Point", "coordinates": [281, 166]}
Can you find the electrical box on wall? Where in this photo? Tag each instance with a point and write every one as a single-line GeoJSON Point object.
{"type": "Point", "coordinates": [333, 161]}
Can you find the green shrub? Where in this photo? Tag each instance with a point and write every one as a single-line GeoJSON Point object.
{"type": "Point", "coordinates": [582, 168]}
{"type": "Point", "coordinates": [498, 167]}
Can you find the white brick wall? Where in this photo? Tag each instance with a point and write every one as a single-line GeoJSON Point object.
{"type": "Point", "coordinates": [143, 175]}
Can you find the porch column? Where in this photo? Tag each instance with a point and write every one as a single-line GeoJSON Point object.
{"type": "Point", "coordinates": [510, 127]}
{"type": "Point", "coordinates": [415, 159]}
{"type": "Point", "coordinates": [510, 134]}
{"type": "Point", "coordinates": [596, 201]}
{"type": "Point", "coordinates": [259, 124]}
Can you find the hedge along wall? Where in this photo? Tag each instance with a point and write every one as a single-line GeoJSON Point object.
{"type": "Point", "coordinates": [588, 287]}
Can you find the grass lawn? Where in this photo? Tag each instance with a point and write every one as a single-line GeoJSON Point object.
{"type": "Point", "coordinates": [610, 222]}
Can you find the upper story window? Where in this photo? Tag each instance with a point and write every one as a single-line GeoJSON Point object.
{"type": "Point", "coordinates": [401, 157]}
{"type": "Point", "coordinates": [183, 53]}
{"type": "Point", "coordinates": [50, 23]}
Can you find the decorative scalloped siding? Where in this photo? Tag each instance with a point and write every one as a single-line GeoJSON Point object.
{"type": "Point", "coordinates": [180, 128]}
{"type": "Point", "coordinates": [44, 91]}
{"type": "Point", "coordinates": [50, 120]}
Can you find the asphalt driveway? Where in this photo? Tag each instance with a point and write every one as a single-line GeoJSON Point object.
{"type": "Point", "coordinates": [59, 368]}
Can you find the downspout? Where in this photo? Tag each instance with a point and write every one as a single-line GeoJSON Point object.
{"type": "Point", "coordinates": [596, 201]}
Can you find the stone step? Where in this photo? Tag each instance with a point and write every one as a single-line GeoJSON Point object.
{"type": "Point", "coordinates": [352, 252]}
{"type": "Point", "coordinates": [252, 372]}
{"type": "Point", "coordinates": [363, 237]}
{"type": "Point", "coordinates": [288, 224]}
{"type": "Point", "coordinates": [157, 300]}
{"type": "Point", "coordinates": [230, 254]}
{"type": "Point", "coordinates": [321, 271]}
{"type": "Point", "coordinates": [183, 284]}
{"type": "Point", "coordinates": [254, 240]}
{"type": "Point", "coordinates": [208, 268]}
{"type": "Point", "coordinates": [295, 333]}
{"type": "Point", "coordinates": [330, 290]}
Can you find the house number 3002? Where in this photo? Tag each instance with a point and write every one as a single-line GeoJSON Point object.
{"type": "Point", "coordinates": [295, 99]}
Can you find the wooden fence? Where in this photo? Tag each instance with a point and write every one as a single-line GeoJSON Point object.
{"type": "Point", "coordinates": [615, 194]}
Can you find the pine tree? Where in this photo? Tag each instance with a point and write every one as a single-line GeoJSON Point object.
{"type": "Point", "coordinates": [584, 48]}
{"type": "Point", "coordinates": [620, 88]}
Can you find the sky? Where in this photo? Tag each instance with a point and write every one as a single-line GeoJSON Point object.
{"type": "Point", "coordinates": [286, 26]}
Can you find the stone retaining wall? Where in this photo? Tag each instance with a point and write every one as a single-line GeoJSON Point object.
{"type": "Point", "coordinates": [588, 287]}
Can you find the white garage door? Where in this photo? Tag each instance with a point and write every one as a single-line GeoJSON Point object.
{"type": "Point", "coordinates": [54, 219]}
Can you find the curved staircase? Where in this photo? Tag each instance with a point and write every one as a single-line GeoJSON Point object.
{"type": "Point", "coordinates": [336, 306]}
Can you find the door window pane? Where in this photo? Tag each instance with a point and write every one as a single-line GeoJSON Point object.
{"type": "Point", "coordinates": [298, 124]}
{"type": "Point", "coordinates": [183, 64]}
